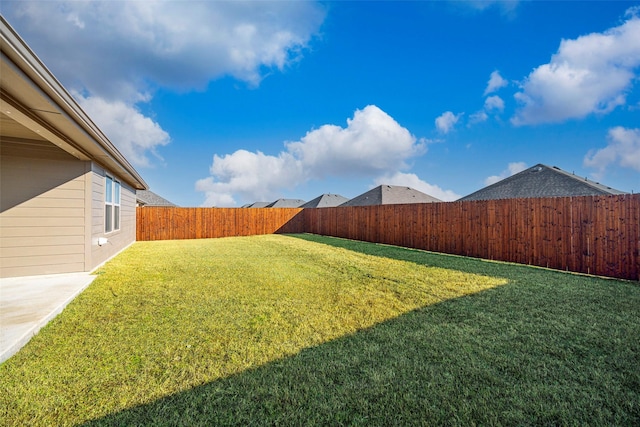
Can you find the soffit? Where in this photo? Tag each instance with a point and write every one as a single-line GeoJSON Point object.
{"type": "Point", "coordinates": [10, 128]}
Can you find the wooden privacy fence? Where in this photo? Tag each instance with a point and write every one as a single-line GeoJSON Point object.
{"type": "Point", "coordinates": [169, 223]}
{"type": "Point", "coordinates": [592, 234]}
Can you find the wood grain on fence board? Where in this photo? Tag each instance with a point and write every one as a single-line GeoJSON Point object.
{"type": "Point", "coordinates": [173, 223]}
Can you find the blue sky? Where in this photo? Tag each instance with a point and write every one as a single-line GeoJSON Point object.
{"type": "Point", "coordinates": [226, 103]}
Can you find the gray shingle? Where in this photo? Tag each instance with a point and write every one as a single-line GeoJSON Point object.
{"type": "Point", "coordinates": [149, 198]}
{"type": "Point", "coordinates": [390, 195]}
{"type": "Point", "coordinates": [541, 181]}
{"type": "Point", "coordinates": [286, 203]}
{"type": "Point", "coordinates": [257, 205]}
{"type": "Point", "coordinates": [325, 201]}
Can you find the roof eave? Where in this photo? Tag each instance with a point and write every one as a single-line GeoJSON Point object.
{"type": "Point", "coordinates": [89, 139]}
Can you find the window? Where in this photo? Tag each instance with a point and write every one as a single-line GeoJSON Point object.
{"type": "Point", "coordinates": [111, 205]}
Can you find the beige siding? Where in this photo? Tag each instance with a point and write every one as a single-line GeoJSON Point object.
{"type": "Point", "coordinates": [42, 210]}
{"type": "Point", "coordinates": [32, 228]}
{"type": "Point", "coordinates": [36, 241]}
{"type": "Point", "coordinates": [52, 212]}
{"type": "Point", "coordinates": [119, 239]}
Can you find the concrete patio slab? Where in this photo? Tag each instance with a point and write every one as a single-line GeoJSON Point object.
{"type": "Point", "coordinates": [29, 303]}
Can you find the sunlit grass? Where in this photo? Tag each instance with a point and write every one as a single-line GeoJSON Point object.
{"type": "Point", "coordinates": [165, 317]}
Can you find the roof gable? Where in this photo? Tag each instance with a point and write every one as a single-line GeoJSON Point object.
{"type": "Point", "coordinates": [325, 201]}
{"type": "Point", "coordinates": [149, 198]}
{"type": "Point", "coordinates": [258, 205]}
{"type": "Point", "coordinates": [286, 203]}
{"type": "Point", "coordinates": [390, 195]}
{"type": "Point", "coordinates": [541, 181]}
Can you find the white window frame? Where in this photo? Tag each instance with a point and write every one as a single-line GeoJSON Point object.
{"type": "Point", "coordinates": [112, 199]}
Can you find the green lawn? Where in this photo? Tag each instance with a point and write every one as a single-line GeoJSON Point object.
{"type": "Point", "coordinates": [303, 329]}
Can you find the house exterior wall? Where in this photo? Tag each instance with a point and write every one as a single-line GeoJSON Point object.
{"type": "Point", "coordinates": [51, 187]}
{"type": "Point", "coordinates": [42, 210]}
{"type": "Point", "coordinates": [118, 239]}
{"type": "Point", "coordinates": [52, 212]}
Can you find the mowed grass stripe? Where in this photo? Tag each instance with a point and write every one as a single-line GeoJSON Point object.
{"type": "Point", "coordinates": [164, 317]}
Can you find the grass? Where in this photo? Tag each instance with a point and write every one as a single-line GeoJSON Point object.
{"type": "Point", "coordinates": [313, 330]}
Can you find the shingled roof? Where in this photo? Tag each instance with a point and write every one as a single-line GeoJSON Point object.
{"type": "Point", "coordinates": [325, 201]}
{"type": "Point", "coordinates": [149, 198]}
{"type": "Point", "coordinates": [390, 195]}
{"type": "Point", "coordinates": [541, 181]}
{"type": "Point", "coordinates": [286, 203]}
{"type": "Point", "coordinates": [257, 205]}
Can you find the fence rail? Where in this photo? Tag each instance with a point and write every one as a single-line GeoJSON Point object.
{"type": "Point", "coordinates": [592, 234]}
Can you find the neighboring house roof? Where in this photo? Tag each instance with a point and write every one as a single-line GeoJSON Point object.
{"type": "Point", "coordinates": [35, 106]}
{"type": "Point", "coordinates": [257, 205]}
{"type": "Point", "coordinates": [286, 203]}
{"type": "Point", "coordinates": [325, 201]}
{"type": "Point", "coordinates": [541, 181]}
{"type": "Point", "coordinates": [390, 195]}
{"type": "Point", "coordinates": [149, 198]}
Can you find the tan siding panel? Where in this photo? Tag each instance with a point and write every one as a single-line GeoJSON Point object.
{"type": "Point", "coordinates": [8, 262]}
{"type": "Point", "coordinates": [38, 179]}
{"type": "Point", "coordinates": [42, 218]}
{"type": "Point", "coordinates": [72, 185]}
{"type": "Point", "coordinates": [57, 202]}
{"type": "Point", "coordinates": [66, 249]}
{"type": "Point", "coordinates": [16, 198]}
{"type": "Point", "coordinates": [97, 205]}
{"type": "Point", "coordinates": [38, 169]}
{"type": "Point", "coordinates": [24, 180]}
{"type": "Point", "coordinates": [34, 241]}
{"type": "Point", "coordinates": [119, 239]}
{"type": "Point", "coordinates": [29, 213]}
{"type": "Point", "coordinates": [42, 231]}
{"type": "Point", "coordinates": [53, 221]}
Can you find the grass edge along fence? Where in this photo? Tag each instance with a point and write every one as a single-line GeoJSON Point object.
{"type": "Point", "coordinates": [590, 234]}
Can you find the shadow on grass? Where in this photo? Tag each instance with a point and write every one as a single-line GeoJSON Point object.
{"type": "Point", "coordinates": [508, 355]}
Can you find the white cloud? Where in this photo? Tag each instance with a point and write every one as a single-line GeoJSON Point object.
{"type": "Point", "coordinates": [141, 44]}
{"type": "Point", "coordinates": [512, 169]}
{"type": "Point", "coordinates": [479, 117]}
{"type": "Point", "coordinates": [495, 82]}
{"type": "Point", "coordinates": [130, 131]}
{"type": "Point", "coordinates": [591, 74]}
{"type": "Point", "coordinates": [117, 52]}
{"type": "Point", "coordinates": [623, 148]}
{"type": "Point", "coordinates": [371, 144]}
{"type": "Point", "coordinates": [413, 181]}
{"type": "Point", "coordinates": [494, 103]}
{"type": "Point", "coordinates": [75, 20]}
{"type": "Point", "coordinates": [446, 121]}
{"type": "Point", "coordinates": [249, 176]}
